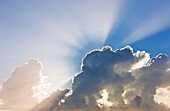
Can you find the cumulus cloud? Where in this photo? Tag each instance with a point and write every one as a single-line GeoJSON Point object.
{"type": "Point", "coordinates": [118, 80]}
{"type": "Point", "coordinates": [163, 96]}
{"type": "Point", "coordinates": [25, 82]}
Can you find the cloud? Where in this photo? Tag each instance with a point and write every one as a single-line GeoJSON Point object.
{"type": "Point", "coordinates": [107, 82]}
{"type": "Point", "coordinates": [25, 82]}
{"type": "Point", "coordinates": [163, 95]}
{"type": "Point", "coordinates": [53, 101]}
{"type": "Point", "coordinates": [147, 80]}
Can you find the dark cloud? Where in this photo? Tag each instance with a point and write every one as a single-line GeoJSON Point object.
{"type": "Point", "coordinates": [147, 79]}
{"type": "Point", "coordinates": [114, 80]}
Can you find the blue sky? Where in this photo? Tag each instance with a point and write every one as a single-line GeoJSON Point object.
{"type": "Point", "coordinates": [60, 33]}
{"type": "Point", "coordinates": [144, 25]}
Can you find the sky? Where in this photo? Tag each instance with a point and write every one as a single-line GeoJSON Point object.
{"type": "Point", "coordinates": [60, 33]}
{"type": "Point", "coordinates": [54, 32]}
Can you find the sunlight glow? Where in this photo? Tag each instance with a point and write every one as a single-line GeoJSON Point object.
{"type": "Point", "coordinates": [142, 62]}
{"type": "Point", "coordinates": [168, 69]}
{"type": "Point", "coordinates": [103, 102]}
{"type": "Point", "coordinates": [163, 96]}
{"type": "Point", "coordinates": [42, 90]}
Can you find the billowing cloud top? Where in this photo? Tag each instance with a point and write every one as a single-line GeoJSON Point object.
{"type": "Point", "coordinates": [118, 80]}
{"type": "Point", "coordinates": [17, 92]}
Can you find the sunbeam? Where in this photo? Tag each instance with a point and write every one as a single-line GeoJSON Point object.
{"type": "Point", "coordinates": [79, 44]}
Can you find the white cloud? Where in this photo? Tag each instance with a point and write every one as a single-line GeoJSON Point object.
{"type": "Point", "coordinates": [142, 62]}
{"type": "Point", "coordinates": [41, 90]}
{"type": "Point", "coordinates": [163, 96]}
{"type": "Point", "coordinates": [103, 102]}
{"type": "Point", "coordinates": [16, 92]}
